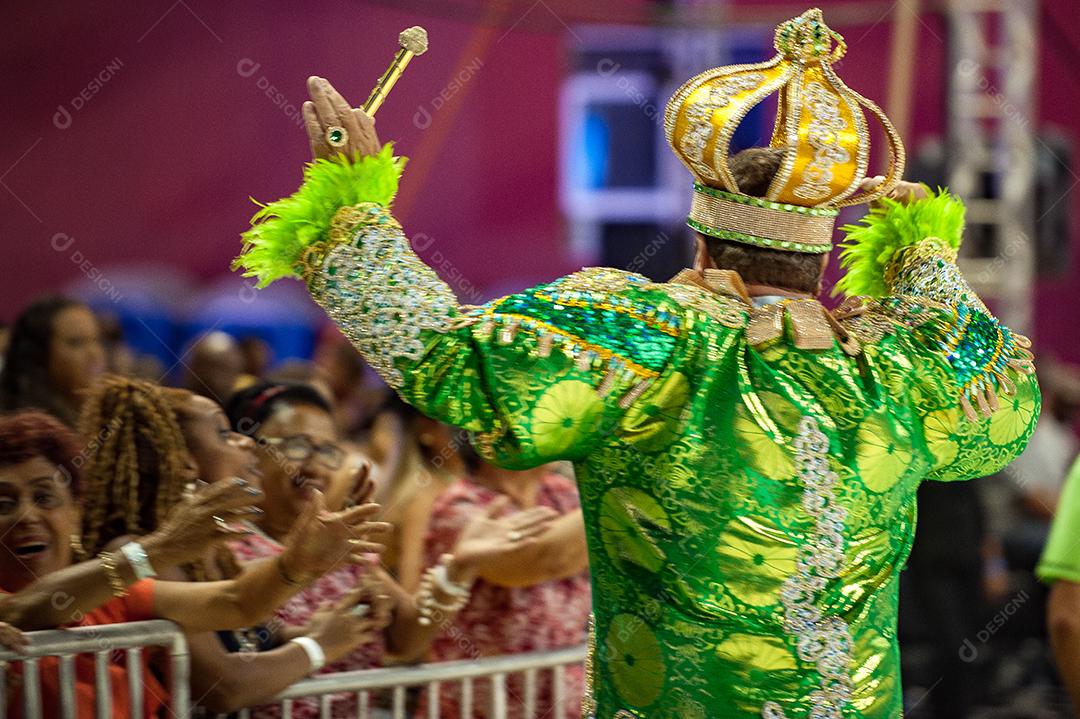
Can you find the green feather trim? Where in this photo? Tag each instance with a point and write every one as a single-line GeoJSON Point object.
{"type": "Point", "coordinates": [282, 230]}
{"type": "Point", "coordinates": [872, 243]}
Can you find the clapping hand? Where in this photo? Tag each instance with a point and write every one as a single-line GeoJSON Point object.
{"type": "Point", "coordinates": [488, 535]}
{"type": "Point", "coordinates": [320, 540]}
{"type": "Point", "coordinates": [372, 600]}
{"type": "Point", "coordinates": [354, 620]}
{"type": "Point", "coordinates": [333, 127]}
{"type": "Point", "coordinates": [202, 520]}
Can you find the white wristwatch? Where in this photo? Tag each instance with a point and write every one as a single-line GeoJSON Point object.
{"type": "Point", "coordinates": [140, 563]}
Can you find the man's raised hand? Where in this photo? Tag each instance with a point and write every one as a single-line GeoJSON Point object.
{"type": "Point", "coordinates": [333, 126]}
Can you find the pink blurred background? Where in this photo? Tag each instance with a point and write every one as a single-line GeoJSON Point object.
{"type": "Point", "coordinates": [159, 163]}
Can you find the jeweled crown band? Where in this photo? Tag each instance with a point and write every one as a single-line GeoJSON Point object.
{"type": "Point", "coordinates": [759, 222]}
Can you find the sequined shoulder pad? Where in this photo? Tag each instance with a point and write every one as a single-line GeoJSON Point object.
{"type": "Point", "coordinates": [979, 349]}
{"type": "Point", "coordinates": [728, 311]}
{"type": "Point", "coordinates": [599, 317]}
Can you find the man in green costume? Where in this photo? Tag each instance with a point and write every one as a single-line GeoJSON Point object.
{"type": "Point", "coordinates": [747, 460]}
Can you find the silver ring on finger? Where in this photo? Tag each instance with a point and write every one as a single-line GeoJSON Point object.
{"type": "Point", "coordinates": [222, 525]}
{"type": "Point", "coordinates": [514, 535]}
{"type": "Point", "coordinates": [337, 136]}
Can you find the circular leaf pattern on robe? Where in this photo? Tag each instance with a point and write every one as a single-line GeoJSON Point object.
{"type": "Point", "coordinates": [883, 453]}
{"type": "Point", "coordinates": [652, 425]}
{"type": "Point", "coordinates": [754, 564]}
{"type": "Point", "coordinates": [939, 428]}
{"type": "Point", "coordinates": [1013, 417]}
{"type": "Point", "coordinates": [760, 654]}
{"type": "Point", "coordinates": [759, 450]}
{"type": "Point", "coordinates": [564, 415]}
{"type": "Point", "coordinates": [631, 525]}
{"type": "Point", "coordinates": [635, 660]}
{"type": "Point", "coordinates": [786, 415]}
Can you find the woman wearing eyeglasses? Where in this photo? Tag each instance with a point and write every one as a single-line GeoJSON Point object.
{"type": "Point", "coordinates": [148, 444]}
{"type": "Point", "coordinates": [299, 453]}
{"type": "Point", "coordinates": [294, 437]}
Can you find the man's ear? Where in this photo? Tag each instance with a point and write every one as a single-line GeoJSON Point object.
{"type": "Point", "coordinates": [702, 259]}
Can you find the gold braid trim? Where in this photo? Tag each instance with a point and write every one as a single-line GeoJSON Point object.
{"type": "Point", "coordinates": [760, 222]}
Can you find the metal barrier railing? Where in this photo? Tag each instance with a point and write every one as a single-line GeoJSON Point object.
{"type": "Point", "coordinates": [100, 641]}
{"type": "Point", "coordinates": [432, 676]}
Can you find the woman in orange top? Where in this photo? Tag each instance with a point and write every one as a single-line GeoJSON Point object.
{"type": "Point", "coordinates": [45, 588]}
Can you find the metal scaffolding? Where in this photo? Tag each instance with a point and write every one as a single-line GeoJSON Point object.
{"type": "Point", "coordinates": [992, 158]}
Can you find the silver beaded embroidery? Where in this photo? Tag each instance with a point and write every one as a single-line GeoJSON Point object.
{"type": "Point", "coordinates": [383, 296]}
{"type": "Point", "coordinates": [700, 116]}
{"type": "Point", "coordinates": [933, 278]}
{"type": "Point", "coordinates": [820, 640]}
{"type": "Point", "coordinates": [823, 134]}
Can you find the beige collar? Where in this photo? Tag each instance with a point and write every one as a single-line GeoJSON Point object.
{"type": "Point", "coordinates": [809, 325]}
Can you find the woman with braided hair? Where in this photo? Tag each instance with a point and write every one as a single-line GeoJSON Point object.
{"type": "Point", "coordinates": [150, 443]}
{"type": "Point", "coordinates": [43, 584]}
{"type": "Point", "coordinates": [138, 465]}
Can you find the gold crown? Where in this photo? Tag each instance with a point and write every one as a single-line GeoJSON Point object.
{"type": "Point", "coordinates": [819, 122]}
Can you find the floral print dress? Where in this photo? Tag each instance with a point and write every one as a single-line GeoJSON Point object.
{"type": "Point", "coordinates": [297, 612]}
{"type": "Point", "coordinates": [499, 620]}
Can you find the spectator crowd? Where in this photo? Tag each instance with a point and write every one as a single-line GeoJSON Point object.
{"type": "Point", "coordinates": [292, 518]}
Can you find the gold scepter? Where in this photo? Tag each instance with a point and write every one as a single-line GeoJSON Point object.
{"type": "Point", "coordinates": [413, 42]}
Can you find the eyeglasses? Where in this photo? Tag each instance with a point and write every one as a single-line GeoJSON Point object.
{"type": "Point", "coordinates": [299, 448]}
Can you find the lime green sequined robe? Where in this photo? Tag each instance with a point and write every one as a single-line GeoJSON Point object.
{"type": "Point", "coordinates": [747, 475]}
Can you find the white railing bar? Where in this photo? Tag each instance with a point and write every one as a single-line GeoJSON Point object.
{"type": "Point", "coordinates": [101, 641]}
{"type": "Point", "coordinates": [67, 687]}
{"type": "Point", "coordinates": [102, 685]}
{"type": "Point", "coordinates": [466, 696]}
{"type": "Point", "coordinates": [389, 677]}
{"type": "Point", "coordinates": [530, 694]}
{"type": "Point", "coordinates": [498, 696]}
{"type": "Point", "coordinates": [180, 674]}
{"type": "Point", "coordinates": [325, 706]}
{"type": "Point", "coordinates": [3, 690]}
{"type": "Point", "coordinates": [136, 689]}
{"type": "Point", "coordinates": [286, 709]}
{"type": "Point", "coordinates": [433, 708]}
{"type": "Point", "coordinates": [77, 640]}
{"type": "Point", "coordinates": [32, 689]}
{"type": "Point", "coordinates": [399, 702]}
{"type": "Point", "coordinates": [363, 704]}
{"type": "Point", "coordinates": [559, 690]}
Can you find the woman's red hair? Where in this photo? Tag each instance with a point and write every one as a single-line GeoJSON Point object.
{"type": "Point", "coordinates": [29, 433]}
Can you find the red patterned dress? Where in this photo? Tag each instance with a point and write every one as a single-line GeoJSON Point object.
{"type": "Point", "coordinates": [499, 620]}
{"type": "Point", "coordinates": [297, 612]}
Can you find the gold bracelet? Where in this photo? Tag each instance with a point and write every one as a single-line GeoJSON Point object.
{"type": "Point", "coordinates": [108, 563]}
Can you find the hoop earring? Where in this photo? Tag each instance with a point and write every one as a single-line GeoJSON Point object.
{"type": "Point", "coordinates": [77, 548]}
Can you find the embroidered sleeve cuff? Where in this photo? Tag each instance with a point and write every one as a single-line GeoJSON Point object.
{"type": "Point", "coordinates": [872, 244]}
{"type": "Point", "coordinates": [375, 288]}
{"type": "Point", "coordinates": [283, 234]}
